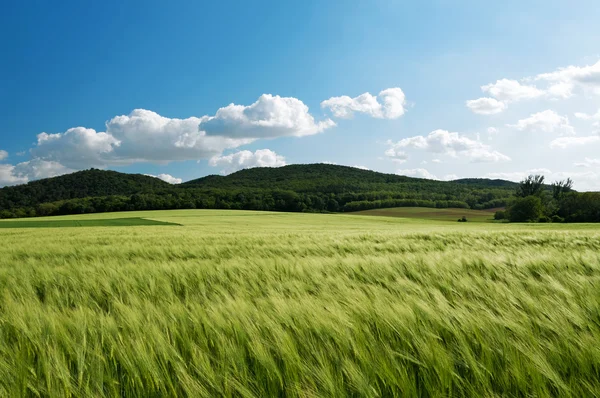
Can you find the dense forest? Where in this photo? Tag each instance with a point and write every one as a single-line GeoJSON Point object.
{"type": "Point", "coordinates": [312, 187]}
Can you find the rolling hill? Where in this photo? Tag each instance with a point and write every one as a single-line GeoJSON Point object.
{"type": "Point", "coordinates": [309, 187]}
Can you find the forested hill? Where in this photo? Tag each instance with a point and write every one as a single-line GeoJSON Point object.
{"type": "Point", "coordinates": [311, 187]}
{"type": "Point", "coordinates": [81, 184]}
{"type": "Point", "coordinates": [321, 177]}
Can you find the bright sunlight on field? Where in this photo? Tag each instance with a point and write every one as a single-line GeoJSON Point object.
{"type": "Point", "coordinates": [233, 303]}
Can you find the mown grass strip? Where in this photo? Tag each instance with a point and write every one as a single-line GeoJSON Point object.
{"type": "Point", "coordinates": [115, 222]}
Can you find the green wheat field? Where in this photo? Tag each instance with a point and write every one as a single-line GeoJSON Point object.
{"type": "Point", "coordinates": [199, 303]}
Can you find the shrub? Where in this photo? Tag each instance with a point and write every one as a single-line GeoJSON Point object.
{"type": "Point", "coordinates": [500, 215]}
{"type": "Point", "coordinates": [544, 219]}
{"type": "Point", "coordinates": [463, 219]}
{"type": "Point", "coordinates": [557, 218]}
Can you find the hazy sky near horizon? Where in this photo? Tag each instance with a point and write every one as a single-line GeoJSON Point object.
{"type": "Point", "coordinates": [436, 89]}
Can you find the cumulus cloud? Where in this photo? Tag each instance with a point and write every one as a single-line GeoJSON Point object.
{"type": "Point", "coordinates": [76, 148]}
{"type": "Point", "coordinates": [558, 85]}
{"type": "Point", "coordinates": [389, 104]}
{"type": "Point", "coordinates": [586, 77]}
{"type": "Point", "coordinates": [453, 144]}
{"type": "Point", "coordinates": [486, 106]}
{"type": "Point", "coordinates": [167, 178]}
{"type": "Point", "coordinates": [511, 90]}
{"type": "Point", "coordinates": [269, 117]}
{"type": "Point", "coordinates": [361, 167]}
{"type": "Point", "coordinates": [567, 142]}
{"type": "Point", "coordinates": [547, 121]}
{"type": "Point", "coordinates": [247, 159]}
{"type": "Point", "coordinates": [397, 155]}
{"type": "Point", "coordinates": [146, 136]}
{"type": "Point", "coordinates": [9, 177]}
{"type": "Point", "coordinates": [418, 173]}
{"type": "Point", "coordinates": [34, 169]}
{"type": "Point", "coordinates": [3, 154]}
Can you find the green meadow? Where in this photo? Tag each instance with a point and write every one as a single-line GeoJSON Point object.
{"type": "Point", "coordinates": [208, 303]}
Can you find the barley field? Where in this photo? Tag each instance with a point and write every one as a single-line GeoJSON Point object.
{"type": "Point", "coordinates": [249, 304]}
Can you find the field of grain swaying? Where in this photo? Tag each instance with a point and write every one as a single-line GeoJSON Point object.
{"type": "Point", "coordinates": [269, 304]}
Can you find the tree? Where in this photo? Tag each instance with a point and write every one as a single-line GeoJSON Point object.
{"type": "Point", "coordinates": [533, 185]}
{"type": "Point", "coordinates": [559, 188]}
{"type": "Point", "coordinates": [527, 209]}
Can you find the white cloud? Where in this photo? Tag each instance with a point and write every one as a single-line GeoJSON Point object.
{"type": "Point", "coordinates": [586, 77]}
{"type": "Point", "coordinates": [167, 178]}
{"type": "Point", "coordinates": [247, 159]}
{"type": "Point", "coordinates": [547, 121]}
{"type": "Point", "coordinates": [566, 142]}
{"type": "Point", "coordinates": [418, 173]}
{"type": "Point", "coordinates": [8, 176]}
{"type": "Point", "coordinates": [389, 104]}
{"type": "Point", "coordinates": [31, 170]}
{"type": "Point", "coordinates": [486, 106]}
{"type": "Point", "coordinates": [146, 136]}
{"type": "Point", "coordinates": [436, 161]}
{"type": "Point", "coordinates": [561, 90]}
{"type": "Point", "coordinates": [361, 167]}
{"type": "Point", "coordinates": [453, 144]}
{"type": "Point", "coordinates": [76, 148]}
{"type": "Point", "coordinates": [269, 117]}
{"type": "Point", "coordinates": [507, 90]}
{"type": "Point", "coordinates": [560, 85]}
{"type": "Point", "coordinates": [450, 177]}
{"type": "Point", "coordinates": [588, 163]}
{"type": "Point", "coordinates": [395, 154]}
{"type": "Point", "coordinates": [517, 175]}
{"type": "Point", "coordinates": [3, 154]}
{"type": "Point", "coordinates": [595, 117]}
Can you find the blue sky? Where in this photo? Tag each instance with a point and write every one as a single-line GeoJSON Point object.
{"type": "Point", "coordinates": [146, 87]}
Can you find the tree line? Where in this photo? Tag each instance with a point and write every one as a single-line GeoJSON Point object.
{"type": "Point", "coordinates": [534, 202]}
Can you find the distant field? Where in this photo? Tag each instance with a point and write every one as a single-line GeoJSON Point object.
{"type": "Point", "coordinates": [258, 304]}
{"type": "Point", "coordinates": [433, 214]}
{"type": "Point", "coordinates": [65, 223]}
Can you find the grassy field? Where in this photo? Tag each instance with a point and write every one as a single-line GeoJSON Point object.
{"type": "Point", "coordinates": [433, 214]}
{"type": "Point", "coordinates": [272, 304]}
{"type": "Point", "coordinates": [74, 222]}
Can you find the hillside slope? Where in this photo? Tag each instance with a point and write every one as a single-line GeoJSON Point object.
{"type": "Point", "coordinates": [87, 183]}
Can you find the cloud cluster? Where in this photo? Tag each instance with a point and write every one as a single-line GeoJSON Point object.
{"type": "Point", "coordinates": [452, 144]}
{"type": "Point", "coordinates": [146, 136]}
{"type": "Point", "coordinates": [547, 122]}
{"type": "Point", "coordinates": [34, 169]}
{"type": "Point", "coordinates": [389, 104]}
{"type": "Point", "coordinates": [247, 159]}
{"type": "Point", "coordinates": [585, 77]}
{"type": "Point", "coordinates": [559, 84]}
